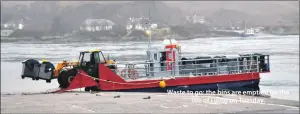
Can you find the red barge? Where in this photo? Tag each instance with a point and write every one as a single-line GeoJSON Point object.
{"type": "Point", "coordinates": [164, 70]}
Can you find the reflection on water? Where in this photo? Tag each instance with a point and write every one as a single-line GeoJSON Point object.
{"type": "Point", "coordinates": [284, 53]}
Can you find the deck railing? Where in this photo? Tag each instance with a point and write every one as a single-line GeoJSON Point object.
{"type": "Point", "coordinates": [181, 68]}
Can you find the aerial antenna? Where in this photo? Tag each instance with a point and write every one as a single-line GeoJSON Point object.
{"type": "Point", "coordinates": [148, 31]}
{"type": "Point", "coordinates": [149, 15]}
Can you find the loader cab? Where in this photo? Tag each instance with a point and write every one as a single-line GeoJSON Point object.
{"type": "Point", "coordinates": [89, 61]}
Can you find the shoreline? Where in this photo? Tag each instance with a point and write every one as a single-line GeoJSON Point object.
{"type": "Point", "coordinates": [50, 91]}
{"type": "Point", "coordinates": [113, 102]}
{"type": "Point", "coordinates": [106, 39]}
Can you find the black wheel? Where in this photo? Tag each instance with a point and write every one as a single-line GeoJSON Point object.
{"type": "Point", "coordinates": [95, 88]}
{"type": "Point", "coordinates": [87, 89]}
{"type": "Point", "coordinates": [59, 78]}
{"type": "Point", "coordinates": [48, 81]}
{"type": "Point", "coordinates": [33, 78]}
{"type": "Point", "coordinates": [67, 78]}
{"type": "Point", "coordinates": [37, 78]}
{"type": "Point", "coordinates": [23, 77]}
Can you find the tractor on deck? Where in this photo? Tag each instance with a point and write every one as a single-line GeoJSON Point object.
{"type": "Point", "coordinates": [65, 71]}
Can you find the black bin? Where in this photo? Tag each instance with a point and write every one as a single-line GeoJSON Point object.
{"type": "Point", "coordinates": [30, 69]}
{"type": "Point", "coordinates": [36, 70]}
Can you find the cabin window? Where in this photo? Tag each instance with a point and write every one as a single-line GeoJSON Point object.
{"type": "Point", "coordinates": [97, 58]}
{"type": "Point", "coordinates": [81, 58]}
{"type": "Point", "coordinates": [170, 55]}
{"type": "Point", "coordinates": [155, 56]}
{"type": "Point", "coordinates": [163, 56]}
{"type": "Point", "coordinates": [101, 57]}
{"type": "Point", "coordinates": [87, 57]}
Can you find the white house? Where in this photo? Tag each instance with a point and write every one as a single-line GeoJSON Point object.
{"type": "Point", "coordinates": [195, 19]}
{"type": "Point", "coordinates": [92, 25]}
{"type": "Point", "coordinates": [9, 27]}
{"type": "Point", "coordinates": [12, 25]}
{"type": "Point", "coordinates": [140, 24]}
{"type": "Point", "coordinates": [6, 33]}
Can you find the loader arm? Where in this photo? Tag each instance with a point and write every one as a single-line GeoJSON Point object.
{"type": "Point", "coordinates": [62, 65]}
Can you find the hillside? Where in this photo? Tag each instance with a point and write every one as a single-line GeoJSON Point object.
{"type": "Point", "coordinates": [66, 16]}
{"type": "Point", "coordinates": [119, 13]}
{"type": "Point", "coordinates": [256, 12]}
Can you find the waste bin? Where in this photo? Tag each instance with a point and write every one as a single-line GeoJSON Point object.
{"type": "Point", "coordinates": [46, 71]}
{"type": "Point", "coordinates": [30, 69]}
{"type": "Point", "coordinates": [36, 70]}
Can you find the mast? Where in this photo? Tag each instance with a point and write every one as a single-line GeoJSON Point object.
{"type": "Point", "coordinates": [245, 25]}
{"type": "Point", "coordinates": [148, 31]}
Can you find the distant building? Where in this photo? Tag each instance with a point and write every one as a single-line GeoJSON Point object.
{"type": "Point", "coordinates": [140, 24]}
{"type": "Point", "coordinates": [6, 33]}
{"type": "Point", "coordinates": [258, 29]}
{"type": "Point", "coordinates": [195, 19]}
{"type": "Point", "coordinates": [92, 25]}
{"type": "Point", "coordinates": [12, 25]}
{"type": "Point", "coordinates": [9, 27]}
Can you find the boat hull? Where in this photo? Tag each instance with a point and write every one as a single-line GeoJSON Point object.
{"type": "Point", "coordinates": [249, 85]}
{"type": "Point", "coordinates": [109, 81]}
{"type": "Point", "coordinates": [247, 35]}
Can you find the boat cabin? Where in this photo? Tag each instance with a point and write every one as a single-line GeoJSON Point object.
{"type": "Point", "coordinates": [163, 62]}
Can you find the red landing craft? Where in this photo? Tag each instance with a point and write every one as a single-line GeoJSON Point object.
{"type": "Point", "coordinates": [164, 70]}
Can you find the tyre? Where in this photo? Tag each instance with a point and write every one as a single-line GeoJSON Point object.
{"type": "Point", "coordinates": [67, 78]}
{"type": "Point", "coordinates": [87, 89]}
{"type": "Point", "coordinates": [94, 88]}
{"type": "Point", "coordinates": [59, 78]}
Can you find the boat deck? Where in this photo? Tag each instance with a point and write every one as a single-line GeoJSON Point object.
{"type": "Point", "coordinates": [81, 102]}
{"type": "Point", "coordinates": [137, 71]}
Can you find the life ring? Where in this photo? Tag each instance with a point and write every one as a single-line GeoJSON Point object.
{"type": "Point", "coordinates": [123, 73]}
{"type": "Point", "coordinates": [132, 74]}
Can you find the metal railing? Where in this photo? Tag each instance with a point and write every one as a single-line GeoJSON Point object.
{"type": "Point", "coordinates": [181, 68]}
